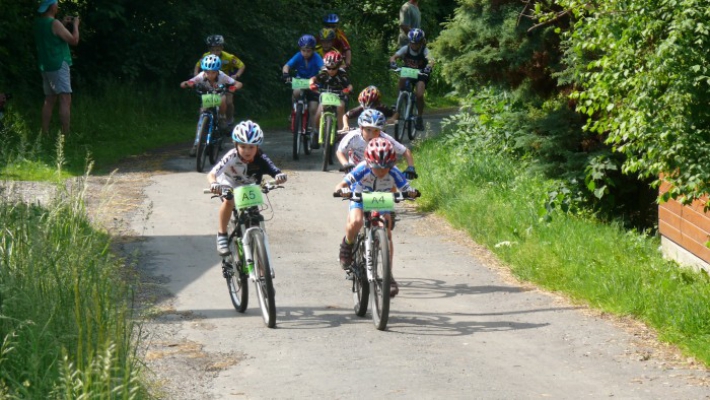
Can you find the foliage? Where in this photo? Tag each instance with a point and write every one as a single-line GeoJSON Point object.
{"type": "Point", "coordinates": [65, 325]}
{"type": "Point", "coordinates": [644, 79]}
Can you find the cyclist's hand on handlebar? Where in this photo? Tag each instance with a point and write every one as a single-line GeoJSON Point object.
{"type": "Point", "coordinates": [392, 65]}
{"type": "Point", "coordinates": [286, 77]}
{"type": "Point", "coordinates": [232, 89]}
{"type": "Point", "coordinates": [410, 173]}
{"type": "Point", "coordinates": [427, 70]}
{"type": "Point", "coordinates": [414, 193]}
{"type": "Point", "coordinates": [216, 188]}
{"type": "Point", "coordinates": [347, 167]}
{"type": "Point", "coordinates": [281, 178]}
{"type": "Point", "coordinates": [315, 87]}
{"type": "Point", "coordinates": [347, 90]}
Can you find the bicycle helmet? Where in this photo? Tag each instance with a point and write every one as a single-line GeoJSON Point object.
{"type": "Point", "coordinates": [369, 97]}
{"type": "Point", "coordinates": [248, 132]}
{"type": "Point", "coordinates": [327, 34]}
{"type": "Point", "coordinates": [415, 35]}
{"type": "Point", "coordinates": [211, 62]}
{"type": "Point", "coordinates": [371, 118]}
{"type": "Point", "coordinates": [307, 41]}
{"type": "Point", "coordinates": [331, 19]}
{"type": "Point", "coordinates": [332, 59]}
{"type": "Point", "coordinates": [380, 154]}
{"type": "Point", "coordinates": [215, 40]}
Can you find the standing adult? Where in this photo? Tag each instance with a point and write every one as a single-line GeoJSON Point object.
{"type": "Point", "coordinates": [53, 40]}
{"type": "Point", "coordinates": [409, 18]}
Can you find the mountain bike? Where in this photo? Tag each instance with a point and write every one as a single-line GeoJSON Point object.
{"type": "Point", "coordinates": [249, 250]}
{"type": "Point", "coordinates": [406, 105]}
{"type": "Point", "coordinates": [209, 136]}
{"type": "Point", "coordinates": [330, 100]}
{"type": "Point", "coordinates": [300, 118]}
{"type": "Point", "coordinates": [371, 268]}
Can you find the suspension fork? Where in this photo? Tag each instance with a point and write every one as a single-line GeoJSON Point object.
{"type": "Point", "coordinates": [248, 250]}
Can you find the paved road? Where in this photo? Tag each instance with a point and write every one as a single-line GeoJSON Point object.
{"type": "Point", "coordinates": [459, 327]}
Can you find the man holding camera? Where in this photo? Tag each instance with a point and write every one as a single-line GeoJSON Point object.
{"type": "Point", "coordinates": [53, 40]}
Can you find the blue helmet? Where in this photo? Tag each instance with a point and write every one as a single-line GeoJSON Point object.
{"type": "Point", "coordinates": [211, 62]}
{"type": "Point", "coordinates": [415, 35]}
{"type": "Point", "coordinates": [307, 41]}
{"type": "Point", "coordinates": [331, 19]}
{"type": "Point", "coordinates": [371, 118]}
{"type": "Point", "coordinates": [248, 132]}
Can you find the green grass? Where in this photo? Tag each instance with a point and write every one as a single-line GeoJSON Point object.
{"type": "Point", "coordinates": [618, 271]}
{"type": "Point", "coordinates": [66, 327]}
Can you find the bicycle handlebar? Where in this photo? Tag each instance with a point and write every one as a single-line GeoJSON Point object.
{"type": "Point", "coordinates": [266, 187]}
{"type": "Point", "coordinates": [357, 196]}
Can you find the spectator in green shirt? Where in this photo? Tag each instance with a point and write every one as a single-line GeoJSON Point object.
{"type": "Point", "coordinates": [53, 40]}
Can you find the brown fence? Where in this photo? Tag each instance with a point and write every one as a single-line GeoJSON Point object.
{"type": "Point", "coordinates": [686, 226]}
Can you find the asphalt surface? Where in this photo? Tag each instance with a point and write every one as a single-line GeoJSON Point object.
{"type": "Point", "coordinates": [460, 327]}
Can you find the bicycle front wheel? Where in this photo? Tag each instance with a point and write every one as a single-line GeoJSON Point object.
{"type": "Point", "coordinates": [327, 127]}
{"type": "Point", "coordinates": [361, 289]}
{"type": "Point", "coordinates": [401, 109]}
{"type": "Point", "coordinates": [214, 148]}
{"type": "Point", "coordinates": [203, 126]}
{"type": "Point", "coordinates": [380, 285]}
{"type": "Point", "coordinates": [297, 129]}
{"type": "Point", "coordinates": [413, 114]}
{"type": "Point", "coordinates": [264, 284]}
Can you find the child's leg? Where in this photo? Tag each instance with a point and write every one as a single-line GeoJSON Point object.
{"type": "Point", "coordinates": [225, 212]}
{"type": "Point", "coordinates": [354, 224]}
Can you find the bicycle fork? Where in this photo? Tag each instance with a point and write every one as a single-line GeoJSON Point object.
{"type": "Point", "coordinates": [249, 254]}
{"type": "Point", "coordinates": [369, 262]}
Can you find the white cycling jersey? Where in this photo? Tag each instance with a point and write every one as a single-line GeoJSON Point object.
{"type": "Point", "coordinates": [353, 146]}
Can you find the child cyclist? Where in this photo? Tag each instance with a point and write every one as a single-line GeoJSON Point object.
{"type": "Point", "coordinates": [242, 165]}
{"type": "Point", "coordinates": [231, 65]}
{"type": "Point", "coordinates": [369, 98]}
{"type": "Point", "coordinates": [331, 77]}
{"type": "Point", "coordinates": [306, 63]}
{"type": "Point", "coordinates": [377, 173]}
{"type": "Point", "coordinates": [339, 41]}
{"type": "Point", "coordinates": [212, 78]}
{"type": "Point", "coordinates": [351, 150]}
{"type": "Point", "coordinates": [415, 55]}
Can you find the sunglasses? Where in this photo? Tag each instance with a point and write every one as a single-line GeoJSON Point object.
{"type": "Point", "coordinates": [332, 69]}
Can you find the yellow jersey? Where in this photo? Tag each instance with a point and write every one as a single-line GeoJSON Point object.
{"type": "Point", "coordinates": [230, 62]}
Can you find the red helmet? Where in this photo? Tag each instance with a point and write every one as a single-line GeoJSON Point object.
{"type": "Point", "coordinates": [332, 59]}
{"type": "Point", "coordinates": [380, 154]}
{"type": "Point", "coordinates": [369, 97]}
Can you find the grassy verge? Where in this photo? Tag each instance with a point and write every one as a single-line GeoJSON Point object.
{"type": "Point", "coordinates": [66, 327]}
{"type": "Point", "coordinates": [611, 269]}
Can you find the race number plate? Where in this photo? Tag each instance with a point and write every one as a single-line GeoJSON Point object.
{"type": "Point", "coordinates": [210, 100]}
{"type": "Point", "coordinates": [329, 99]}
{"type": "Point", "coordinates": [298, 83]}
{"type": "Point", "coordinates": [378, 201]}
{"type": "Point", "coordinates": [248, 196]}
{"type": "Point", "coordinates": [409, 73]}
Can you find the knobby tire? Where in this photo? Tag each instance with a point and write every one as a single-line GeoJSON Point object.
{"type": "Point", "coordinates": [380, 286]}
{"type": "Point", "coordinates": [327, 127]}
{"type": "Point", "coordinates": [401, 118]}
{"type": "Point", "coordinates": [202, 129]}
{"type": "Point", "coordinates": [411, 130]}
{"type": "Point", "coordinates": [264, 284]}
{"type": "Point", "coordinates": [238, 282]}
{"type": "Point", "coordinates": [297, 129]}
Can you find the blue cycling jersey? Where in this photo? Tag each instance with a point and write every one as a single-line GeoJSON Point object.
{"type": "Point", "coordinates": [305, 68]}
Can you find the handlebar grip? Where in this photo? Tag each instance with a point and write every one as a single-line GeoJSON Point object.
{"type": "Point", "coordinates": [206, 191]}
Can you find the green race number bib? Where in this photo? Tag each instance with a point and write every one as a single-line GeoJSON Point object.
{"type": "Point", "coordinates": [378, 201]}
{"type": "Point", "coordinates": [329, 99]}
{"type": "Point", "coordinates": [210, 100]}
{"type": "Point", "coordinates": [248, 196]}
{"type": "Point", "coordinates": [409, 73]}
{"type": "Point", "coordinates": [298, 83]}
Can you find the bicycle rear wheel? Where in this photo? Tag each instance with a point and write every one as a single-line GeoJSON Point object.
{"type": "Point", "coordinates": [401, 108]}
{"type": "Point", "coordinates": [327, 127]}
{"type": "Point", "coordinates": [264, 284]}
{"type": "Point", "coordinates": [202, 129]}
{"type": "Point", "coordinates": [380, 285]}
{"type": "Point", "coordinates": [361, 288]}
{"type": "Point", "coordinates": [236, 279]}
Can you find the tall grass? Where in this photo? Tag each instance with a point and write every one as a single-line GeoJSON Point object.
{"type": "Point", "coordinates": [507, 208]}
{"type": "Point", "coordinates": [66, 327]}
